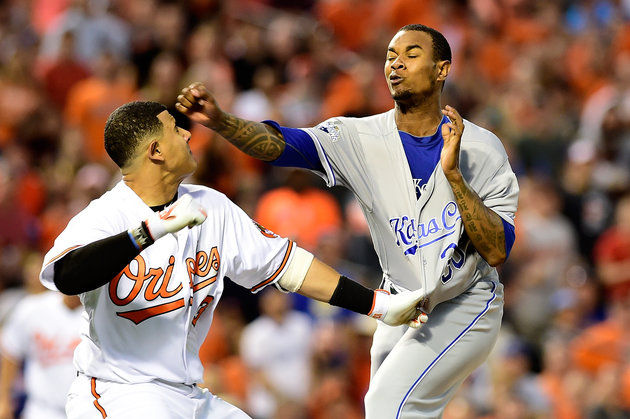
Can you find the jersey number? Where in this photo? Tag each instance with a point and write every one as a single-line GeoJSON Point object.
{"type": "Point", "coordinates": [456, 261]}
{"type": "Point", "coordinates": [202, 307]}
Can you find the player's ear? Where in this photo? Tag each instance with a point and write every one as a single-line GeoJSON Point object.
{"type": "Point", "coordinates": [154, 152]}
{"type": "Point", "coordinates": [443, 69]}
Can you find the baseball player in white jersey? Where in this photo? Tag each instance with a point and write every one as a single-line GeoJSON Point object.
{"type": "Point", "coordinates": [149, 259]}
{"type": "Point", "coordinates": [439, 196]}
{"type": "Point", "coordinates": [42, 331]}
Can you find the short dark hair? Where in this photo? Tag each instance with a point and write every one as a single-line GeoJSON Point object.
{"type": "Point", "coordinates": [441, 48]}
{"type": "Point", "coordinates": [128, 126]}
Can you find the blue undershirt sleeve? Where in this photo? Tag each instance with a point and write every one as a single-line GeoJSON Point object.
{"type": "Point", "coordinates": [300, 150]}
{"type": "Point", "coordinates": [510, 236]}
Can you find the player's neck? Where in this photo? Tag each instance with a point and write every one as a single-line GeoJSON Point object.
{"type": "Point", "coordinates": [153, 188]}
{"type": "Point", "coordinates": [419, 121]}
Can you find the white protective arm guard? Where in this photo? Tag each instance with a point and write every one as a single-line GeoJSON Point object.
{"type": "Point", "coordinates": [293, 277]}
{"type": "Point", "coordinates": [399, 309]}
{"type": "Point", "coordinates": [185, 212]}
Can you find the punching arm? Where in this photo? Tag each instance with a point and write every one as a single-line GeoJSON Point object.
{"type": "Point", "coordinates": [256, 139]}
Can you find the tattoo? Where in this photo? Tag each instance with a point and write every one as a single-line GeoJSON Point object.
{"type": "Point", "coordinates": [484, 226]}
{"type": "Point", "coordinates": [253, 138]}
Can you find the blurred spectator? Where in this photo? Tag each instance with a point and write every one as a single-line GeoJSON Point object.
{"type": "Point", "coordinates": [612, 252]}
{"type": "Point", "coordinates": [552, 79]}
{"type": "Point", "coordinates": [41, 332]}
{"type": "Point", "coordinates": [91, 181]}
{"type": "Point", "coordinates": [276, 349]}
{"type": "Point", "coordinates": [63, 72]}
{"type": "Point", "coordinates": [612, 173]}
{"type": "Point", "coordinates": [606, 344]}
{"type": "Point", "coordinates": [587, 206]}
{"type": "Point", "coordinates": [298, 102]}
{"type": "Point", "coordinates": [576, 304]}
{"type": "Point", "coordinates": [163, 83]}
{"type": "Point", "coordinates": [90, 101]}
{"type": "Point", "coordinates": [18, 226]}
{"type": "Point", "coordinates": [606, 399]}
{"type": "Point", "coordinates": [352, 22]}
{"type": "Point", "coordinates": [256, 103]}
{"type": "Point", "coordinates": [96, 31]}
{"type": "Point", "coordinates": [299, 210]}
{"type": "Point", "coordinates": [566, 387]}
{"type": "Point", "coordinates": [330, 399]}
{"type": "Point", "coordinates": [356, 91]}
{"type": "Point", "coordinates": [545, 246]}
{"type": "Point", "coordinates": [19, 276]}
{"type": "Point", "coordinates": [514, 380]}
{"type": "Point", "coordinates": [334, 381]}
{"type": "Point", "coordinates": [45, 12]}
{"type": "Point", "coordinates": [19, 94]}
{"type": "Point", "coordinates": [226, 373]}
{"type": "Point", "coordinates": [331, 250]}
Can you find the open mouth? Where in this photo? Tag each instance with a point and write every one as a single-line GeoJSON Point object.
{"type": "Point", "coordinates": [394, 80]}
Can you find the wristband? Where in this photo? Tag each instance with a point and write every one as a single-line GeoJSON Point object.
{"type": "Point", "coordinates": [141, 236]}
{"type": "Point", "coordinates": [352, 296]}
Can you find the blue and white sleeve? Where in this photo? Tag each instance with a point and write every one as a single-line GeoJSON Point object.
{"type": "Point", "coordinates": [300, 150]}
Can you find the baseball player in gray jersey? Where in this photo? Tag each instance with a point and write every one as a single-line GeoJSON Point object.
{"type": "Point", "coordinates": [149, 259]}
{"type": "Point", "coordinates": [439, 196]}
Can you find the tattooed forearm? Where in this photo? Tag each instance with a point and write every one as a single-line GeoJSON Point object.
{"type": "Point", "coordinates": [259, 140]}
{"type": "Point", "coordinates": [483, 226]}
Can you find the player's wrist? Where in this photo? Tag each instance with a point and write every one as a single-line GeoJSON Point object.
{"type": "Point", "coordinates": [352, 296]}
{"type": "Point", "coordinates": [155, 227]}
{"type": "Point", "coordinates": [380, 304]}
{"type": "Point", "coordinates": [454, 177]}
{"type": "Point", "coordinates": [217, 119]}
{"type": "Point", "coordinates": [141, 236]}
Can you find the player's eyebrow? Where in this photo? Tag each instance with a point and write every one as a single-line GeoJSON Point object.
{"type": "Point", "coordinates": [407, 49]}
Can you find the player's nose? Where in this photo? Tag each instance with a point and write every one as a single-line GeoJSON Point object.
{"type": "Point", "coordinates": [397, 63]}
{"type": "Point", "coordinates": [187, 135]}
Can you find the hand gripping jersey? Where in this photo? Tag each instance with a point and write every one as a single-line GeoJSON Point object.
{"type": "Point", "coordinates": [149, 322]}
{"type": "Point", "coordinates": [421, 243]}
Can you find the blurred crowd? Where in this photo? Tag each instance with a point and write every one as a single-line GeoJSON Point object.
{"type": "Point", "coordinates": [550, 78]}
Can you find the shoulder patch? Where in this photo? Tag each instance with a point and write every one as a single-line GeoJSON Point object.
{"type": "Point", "coordinates": [331, 129]}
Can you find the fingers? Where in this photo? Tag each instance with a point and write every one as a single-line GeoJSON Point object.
{"type": "Point", "coordinates": [452, 114]}
{"type": "Point", "coordinates": [185, 102]}
{"type": "Point", "coordinates": [192, 97]}
{"type": "Point", "coordinates": [181, 107]}
{"type": "Point", "coordinates": [419, 321]}
{"type": "Point", "coordinates": [456, 123]}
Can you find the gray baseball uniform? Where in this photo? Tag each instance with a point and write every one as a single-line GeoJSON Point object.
{"type": "Point", "coordinates": [421, 243]}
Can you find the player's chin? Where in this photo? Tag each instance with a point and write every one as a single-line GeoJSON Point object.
{"type": "Point", "coordinates": [400, 95]}
{"type": "Point", "coordinates": [191, 167]}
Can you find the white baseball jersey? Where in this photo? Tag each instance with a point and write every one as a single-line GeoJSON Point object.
{"type": "Point", "coordinates": [149, 321]}
{"type": "Point", "coordinates": [44, 332]}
